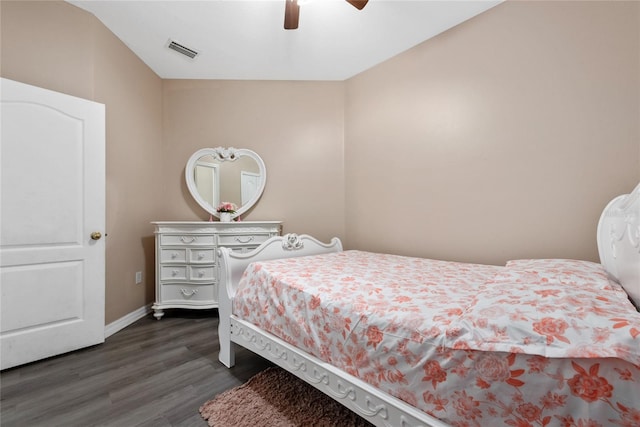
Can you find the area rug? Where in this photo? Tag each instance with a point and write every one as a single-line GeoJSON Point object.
{"type": "Point", "coordinates": [276, 398]}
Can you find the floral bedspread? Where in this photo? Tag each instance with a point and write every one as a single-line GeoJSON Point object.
{"type": "Point", "coordinates": [538, 342]}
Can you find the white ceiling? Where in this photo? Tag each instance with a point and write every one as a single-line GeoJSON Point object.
{"type": "Point", "coordinates": [245, 39]}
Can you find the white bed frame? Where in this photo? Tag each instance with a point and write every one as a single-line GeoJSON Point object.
{"type": "Point", "coordinates": [618, 243]}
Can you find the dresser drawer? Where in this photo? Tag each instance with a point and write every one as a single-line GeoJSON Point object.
{"type": "Point", "coordinates": [241, 249]}
{"type": "Point", "coordinates": [242, 239]}
{"type": "Point", "coordinates": [205, 273]}
{"type": "Point", "coordinates": [173, 255]}
{"type": "Point", "coordinates": [205, 255]}
{"type": "Point", "coordinates": [187, 239]}
{"type": "Point", "coordinates": [184, 292]}
{"type": "Point", "coordinates": [173, 272]}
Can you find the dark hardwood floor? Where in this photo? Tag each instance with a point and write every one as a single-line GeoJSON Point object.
{"type": "Point", "coordinates": [152, 373]}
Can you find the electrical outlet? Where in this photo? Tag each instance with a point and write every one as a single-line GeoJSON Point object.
{"type": "Point", "coordinates": [138, 277]}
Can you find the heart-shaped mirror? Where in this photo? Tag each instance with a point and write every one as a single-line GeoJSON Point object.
{"type": "Point", "coordinates": [225, 175]}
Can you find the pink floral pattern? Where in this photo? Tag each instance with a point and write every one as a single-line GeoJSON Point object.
{"type": "Point", "coordinates": [470, 344]}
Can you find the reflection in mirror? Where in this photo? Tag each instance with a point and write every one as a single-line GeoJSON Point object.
{"type": "Point", "coordinates": [217, 175]}
{"type": "Point", "coordinates": [232, 176]}
{"type": "Point", "coordinates": [206, 175]}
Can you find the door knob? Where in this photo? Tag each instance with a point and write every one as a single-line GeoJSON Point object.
{"type": "Point", "coordinates": [96, 235]}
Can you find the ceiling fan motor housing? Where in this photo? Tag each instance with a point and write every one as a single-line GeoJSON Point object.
{"type": "Point", "coordinates": [292, 12]}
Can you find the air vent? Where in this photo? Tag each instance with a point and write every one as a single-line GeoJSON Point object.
{"type": "Point", "coordinates": [182, 49]}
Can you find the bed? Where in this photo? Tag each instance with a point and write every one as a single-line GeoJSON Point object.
{"type": "Point", "coordinates": [415, 342]}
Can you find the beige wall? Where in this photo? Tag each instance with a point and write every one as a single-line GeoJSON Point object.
{"type": "Point", "coordinates": [501, 138]}
{"type": "Point", "coordinates": [60, 47]}
{"type": "Point", "coordinates": [297, 129]}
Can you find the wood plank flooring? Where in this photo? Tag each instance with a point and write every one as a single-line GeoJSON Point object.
{"type": "Point", "coordinates": [153, 373]}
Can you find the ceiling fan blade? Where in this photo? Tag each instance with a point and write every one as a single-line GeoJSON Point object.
{"type": "Point", "coordinates": [291, 14]}
{"type": "Point", "coordinates": [358, 4]}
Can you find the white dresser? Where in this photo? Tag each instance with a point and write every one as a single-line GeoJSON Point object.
{"type": "Point", "coordinates": [187, 273]}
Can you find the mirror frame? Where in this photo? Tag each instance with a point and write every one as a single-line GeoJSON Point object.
{"type": "Point", "coordinates": [223, 154]}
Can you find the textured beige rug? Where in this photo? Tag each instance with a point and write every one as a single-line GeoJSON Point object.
{"type": "Point", "coordinates": [276, 398]}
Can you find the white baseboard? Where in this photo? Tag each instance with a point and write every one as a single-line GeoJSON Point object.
{"type": "Point", "coordinates": [126, 320]}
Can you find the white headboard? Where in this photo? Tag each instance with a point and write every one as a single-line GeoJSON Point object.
{"type": "Point", "coordinates": [619, 241]}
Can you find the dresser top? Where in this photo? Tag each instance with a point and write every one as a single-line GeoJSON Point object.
{"type": "Point", "coordinates": [206, 227]}
{"type": "Point", "coordinates": [216, 223]}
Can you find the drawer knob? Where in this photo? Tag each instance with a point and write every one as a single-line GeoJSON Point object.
{"type": "Point", "coordinates": [201, 273]}
{"type": "Point", "coordinates": [188, 293]}
{"type": "Point", "coordinates": [201, 255]}
{"type": "Point", "coordinates": [174, 272]}
{"type": "Point", "coordinates": [188, 239]}
{"type": "Point", "coordinates": [174, 255]}
{"type": "Point", "coordinates": [247, 240]}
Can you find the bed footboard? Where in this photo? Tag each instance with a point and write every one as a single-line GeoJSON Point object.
{"type": "Point", "coordinates": [377, 407]}
{"type": "Point", "coordinates": [233, 265]}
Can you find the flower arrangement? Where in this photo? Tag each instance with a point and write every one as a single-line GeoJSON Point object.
{"type": "Point", "coordinates": [226, 207]}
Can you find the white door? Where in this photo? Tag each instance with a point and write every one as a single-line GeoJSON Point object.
{"type": "Point", "coordinates": [52, 198]}
{"type": "Point", "coordinates": [249, 183]}
{"type": "Point", "coordinates": [207, 177]}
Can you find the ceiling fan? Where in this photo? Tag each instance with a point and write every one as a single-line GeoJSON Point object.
{"type": "Point", "coordinates": [292, 12]}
